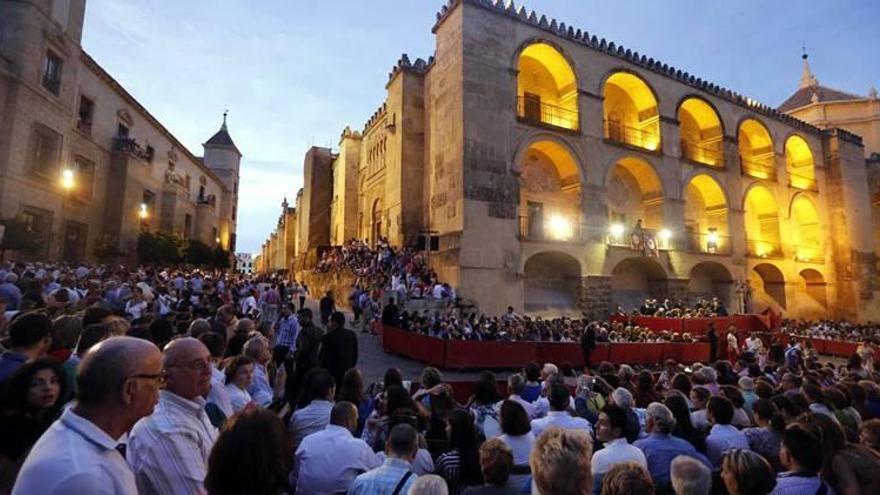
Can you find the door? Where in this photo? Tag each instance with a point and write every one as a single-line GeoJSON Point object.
{"type": "Point", "coordinates": [74, 242]}
{"type": "Point", "coordinates": [536, 220]}
{"type": "Point", "coordinates": [532, 107]}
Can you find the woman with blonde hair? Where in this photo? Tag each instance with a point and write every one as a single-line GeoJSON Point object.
{"type": "Point", "coordinates": [745, 472]}
{"type": "Point", "coordinates": [560, 463]}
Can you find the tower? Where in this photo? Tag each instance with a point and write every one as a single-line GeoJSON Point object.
{"type": "Point", "coordinates": [224, 159]}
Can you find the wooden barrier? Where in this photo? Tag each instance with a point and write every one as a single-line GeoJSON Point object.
{"type": "Point", "coordinates": [422, 348]}
{"type": "Point", "coordinates": [470, 354]}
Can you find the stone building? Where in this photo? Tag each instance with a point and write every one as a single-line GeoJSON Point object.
{"type": "Point", "coordinates": [564, 173]}
{"type": "Point", "coordinates": [278, 251]}
{"type": "Point", "coordinates": [83, 162]}
{"type": "Point", "coordinates": [244, 263]}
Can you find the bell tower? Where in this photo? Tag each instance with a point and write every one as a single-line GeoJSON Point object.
{"type": "Point", "coordinates": [224, 159]}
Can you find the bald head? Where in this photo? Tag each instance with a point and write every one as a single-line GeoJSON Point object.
{"type": "Point", "coordinates": [344, 414]}
{"type": "Point", "coordinates": [109, 363]}
{"type": "Point", "coordinates": [182, 350]}
{"type": "Point", "coordinates": [187, 366]}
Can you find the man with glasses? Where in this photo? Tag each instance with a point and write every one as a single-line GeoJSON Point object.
{"type": "Point", "coordinates": [168, 450]}
{"type": "Point", "coordinates": [118, 383]}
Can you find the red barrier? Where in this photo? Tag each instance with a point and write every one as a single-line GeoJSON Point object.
{"type": "Point", "coordinates": [419, 347]}
{"type": "Point", "coordinates": [840, 348]}
{"type": "Point", "coordinates": [468, 354]}
{"type": "Point", "coordinates": [637, 353]}
{"type": "Point", "coordinates": [555, 352]}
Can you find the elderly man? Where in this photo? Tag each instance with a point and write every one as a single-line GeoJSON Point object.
{"type": "Point", "coordinates": [257, 348]}
{"type": "Point", "coordinates": [329, 460]}
{"type": "Point", "coordinates": [118, 383]}
{"type": "Point", "coordinates": [395, 475]}
{"type": "Point", "coordinates": [168, 450]}
{"type": "Point", "coordinates": [690, 476]}
{"type": "Point", "coordinates": [660, 447]}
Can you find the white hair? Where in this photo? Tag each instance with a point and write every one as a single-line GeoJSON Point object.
{"type": "Point", "coordinates": [429, 484]}
{"type": "Point", "coordinates": [550, 369]}
{"type": "Point", "coordinates": [690, 476]}
{"type": "Point", "coordinates": [623, 398]}
{"type": "Point", "coordinates": [661, 416]}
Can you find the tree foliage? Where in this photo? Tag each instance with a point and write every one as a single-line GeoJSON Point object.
{"type": "Point", "coordinates": [158, 248]}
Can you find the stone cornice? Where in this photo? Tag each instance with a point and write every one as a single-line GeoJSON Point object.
{"type": "Point", "coordinates": [501, 7]}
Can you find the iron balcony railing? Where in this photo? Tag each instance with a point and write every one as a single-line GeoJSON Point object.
{"type": "Point", "coordinates": [709, 243]}
{"type": "Point", "coordinates": [759, 169]}
{"type": "Point", "coordinates": [535, 111]}
{"type": "Point", "coordinates": [801, 181]}
{"type": "Point", "coordinates": [641, 138]}
{"type": "Point", "coordinates": [702, 154]}
{"type": "Point", "coordinates": [129, 145]}
{"type": "Point", "coordinates": [628, 238]}
{"type": "Point", "coordinates": [763, 249]}
{"type": "Point", "coordinates": [811, 253]}
{"type": "Point", "coordinates": [546, 229]}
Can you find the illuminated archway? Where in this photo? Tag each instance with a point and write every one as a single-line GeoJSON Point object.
{"type": "Point", "coordinates": [546, 87]}
{"type": "Point", "coordinates": [634, 193]}
{"type": "Point", "coordinates": [762, 223]}
{"type": "Point", "coordinates": [701, 132]}
{"type": "Point", "coordinates": [799, 163]}
{"type": "Point", "coordinates": [631, 113]}
{"type": "Point", "coordinates": [807, 232]}
{"type": "Point", "coordinates": [705, 216]}
{"type": "Point", "coordinates": [710, 279]}
{"type": "Point", "coordinates": [551, 283]}
{"type": "Point", "coordinates": [756, 150]}
{"type": "Point", "coordinates": [635, 279]}
{"type": "Point", "coordinates": [768, 286]}
{"type": "Point", "coordinates": [376, 221]}
{"type": "Point", "coordinates": [814, 286]}
{"type": "Point", "coordinates": [550, 192]}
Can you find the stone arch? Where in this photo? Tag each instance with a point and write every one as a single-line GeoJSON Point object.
{"type": "Point", "coordinates": [525, 143]}
{"type": "Point", "coordinates": [806, 229]}
{"type": "Point", "coordinates": [768, 284]}
{"type": "Point", "coordinates": [815, 286]}
{"type": "Point", "coordinates": [631, 110]}
{"type": "Point", "coordinates": [634, 191]}
{"type": "Point", "coordinates": [635, 279]}
{"type": "Point", "coordinates": [547, 86]}
{"type": "Point", "coordinates": [376, 223]}
{"type": "Point", "coordinates": [761, 217]}
{"type": "Point", "coordinates": [551, 283]}
{"type": "Point", "coordinates": [706, 223]}
{"type": "Point", "coordinates": [702, 131]}
{"type": "Point", "coordinates": [550, 181]}
{"type": "Point", "coordinates": [756, 149]}
{"type": "Point", "coordinates": [710, 279]}
{"type": "Point", "coordinates": [799, 163]}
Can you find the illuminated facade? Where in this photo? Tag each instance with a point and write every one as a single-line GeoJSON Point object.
{"type": "Point", "coordinates": [565, 174]}
{"type": "Point", "coordinates": [83, 163]}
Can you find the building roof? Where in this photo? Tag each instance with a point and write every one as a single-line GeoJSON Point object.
{"type": "Point", "coordinates": [810, 91]}
{"type": "Point", "coordinates": [222, 137]}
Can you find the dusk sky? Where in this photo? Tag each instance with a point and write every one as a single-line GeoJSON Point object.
{"type": "Point", "coordinates": [294, 73]}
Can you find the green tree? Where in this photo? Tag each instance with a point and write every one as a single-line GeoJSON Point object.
{"type": "Point", "coordinates": [19, 237]}
{"type": "Point", "coordinates": [198, 253]}
{"type": "Point", "coordinates": [158, 248]}
{"type": "Point", "coordinates": [220, 258]}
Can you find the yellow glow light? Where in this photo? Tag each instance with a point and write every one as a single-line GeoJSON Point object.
{"type": "Point", "coordinates": [559, 227]}
{"type": "Point", "coordinates": [713, 238]}
{"type": "Point", "coordinates": [143, 213]}
{"type": "Point", "coordinates": [665, 235]}
{"type": "Point", "coordinates": [617, 230]}
{"type": "Point", "coordinates": [67, 179]}
{"type": "Point", "coordinates": [217, 240]}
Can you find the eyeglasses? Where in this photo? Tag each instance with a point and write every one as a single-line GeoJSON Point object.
{"type": "Point", "coordinates": [159, 378]}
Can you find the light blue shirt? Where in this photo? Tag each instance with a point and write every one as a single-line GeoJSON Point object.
{"type": "Point", "coordinates": [260, 390]}
{"type": "Point", "coordinates": [660, 449]}
{"type": "Point", "coordinates": [383, 479]}
{"type": "Point", "coordinates": [788, 483]}
{"type": "Point", "coordinates": [73, 457]}
{"type": "Point", "coordinates": [721, 439]}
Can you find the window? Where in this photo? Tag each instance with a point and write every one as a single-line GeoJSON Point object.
{"type": "Point", "coordinates": [39, 223]}
{"type": "Point", "coordinates": [86, 114]}
{"type": "Point", "coordinates": [52, 72]}
{"type": "Point", "coordinates": [122, 131]}
{"type": "Point", "coordinates": [150, 152]}
{"type": "Point", "coordinates": [84, 176]}
{"type": "Point", "coordinates": [46, 151]}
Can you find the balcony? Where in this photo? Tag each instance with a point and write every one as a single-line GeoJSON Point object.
{"type": "Point", "coordinates": [209, 200]}
{"type": "Point", "coordinates": [534, 111]}
{"type": "Point", "coordinates": [708, 243]}
{"type": "Point", "coordinates": [84, 126]}
{"type": "Point", "coordinates": [809, 253]}
{"type": "Point", "coordinates": [616, 131]}
{"type": "Point", "coordinates": [648, 239]}
{"type": "Point", "coordinates": [130, 146]}
{"type": "Point", "coordinates": [802, 182]}
{"type": "Point", "coordinates": [552, 229]}
{"type": "Point", "coordinates": [759, 169]}
{"type": "Point", "coordinates": [763, 249]}
{"type": "Point", "coordinates": [713, 157]}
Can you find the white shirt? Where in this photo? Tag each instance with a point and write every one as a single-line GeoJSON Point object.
{"type": "Point", "coordinates": [239, 398]}
{"type": "Point", "coordinates": [328, 461]}
{"type": "Point", "coordinates": [721, 439]}
{"type": "Point", "coordinates": [135, 309]}
{"type": "Point", "coordinates": [699, 419]}
{"type": "Point", "coordinates": [542, 406]}
{"type": "Point", "coordinates": [314, 417]}
{"type": "Point", "coordinates": [219, 395]}
{"type": "Point", "coordinates": [521, 446]}
{"type": "Point", "coordinates": [421, 465]}
{"type": "Point", "coordinates": [168, 450]}
{"type": "Point", "coordinates": [561, 419]}
{"type": "Point", "coordinates": [615, 452]}
{"type": "Point", "coordinates": [528, 406]}
{"type": "Point", "coordinates": [74, 456]}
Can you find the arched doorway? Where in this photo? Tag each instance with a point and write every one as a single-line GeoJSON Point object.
{"type": "Point", "coordinates": [701, 132]}
{"type": "Point", "coordinates": [814, 286]}
{"type": "Point", "coordinates": [551, 283]}
{"type": "Point", "coordinates": [799, 163]}
{"type": "Point", "coordinates": [768, 288]}
{"type": "Point", "coordinates": [762, 224]}
{"type": "Point", "coordinates": [634, 280]}
{"type": "Point", "coordinates": [710, 279]}
{"type": "Point", "coordinates": [546, 87]}
{"type": "Point", "coordinates": [635, 194]}
{"type": "Point", "coordinates": [807, 234]}
{"type": "Point", "coordinates": [376, 217]}
{"type": "Point", "coordinates": [756, 150]}
{"type": "Point", "coordinates": [550, 193]}
{"type": "Point", "coordinates": [705, 216]}
{"type": "Point", "coordinates": [630, 109]}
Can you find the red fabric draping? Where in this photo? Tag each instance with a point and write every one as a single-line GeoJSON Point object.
{"type": "Point", "coordinates": [636, 353]}
{"type": "Point", "coordinates": [469, 354]}
{"type": "Point", "coordinates": [419, 347]}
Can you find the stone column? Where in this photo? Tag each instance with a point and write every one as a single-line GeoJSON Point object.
{"type": "Point", "coordinates": [595, 297]}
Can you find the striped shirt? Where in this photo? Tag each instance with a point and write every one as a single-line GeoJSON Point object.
{"type": "Point", "coordinates": [449, 468]}
{"type": "Point", "coordinates": [168, 450]}
{"type": "Point", "coordinates": [287, 330]}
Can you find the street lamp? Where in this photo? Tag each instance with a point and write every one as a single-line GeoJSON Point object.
{"type": "Point", "coordinates": [617, 230]}
{"type": "Point", "coordinates": [560, 228]}
{"type": "Point", "coordinates": [67, 179]}
{"type": "Point", "coordinates": [665, 235]}
{"type": "Point", "coordinates": [143, 213]}
{"type": "Point", "coordinates": [712, 240]}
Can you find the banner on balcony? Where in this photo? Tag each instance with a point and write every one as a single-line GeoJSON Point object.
{"type": "Point", "coordinates": [651, 246]}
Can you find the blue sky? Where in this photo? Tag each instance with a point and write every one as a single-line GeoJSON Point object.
{"type": "Point", "coordinates": [294, 73]}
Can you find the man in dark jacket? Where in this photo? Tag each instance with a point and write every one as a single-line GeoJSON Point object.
{"type": "Point", "coordinates": [308, 345]}
{"type": "Point", "coordinates": [327, 306]}
{"type": "Point", "coordinates": [713, 343]}
{"type": "Point", "coordinates": [339, 348]}
{"type": "Point", "coordinates": [390, 314]}
{"type": "Point", "coordinates": [588, 343]}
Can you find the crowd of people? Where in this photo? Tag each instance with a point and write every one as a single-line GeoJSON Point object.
{"type": "Point", "coordinates": [165, 382]}
{"type": "Point", "coordinates": [703, 308]}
